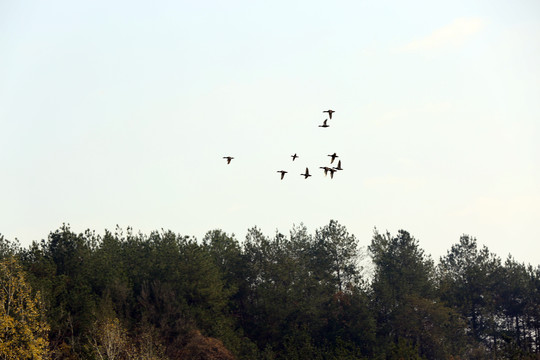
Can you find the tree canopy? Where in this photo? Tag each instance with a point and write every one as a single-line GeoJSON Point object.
{"type": "Point", "coordinates": [162, 295]}
{"type": "Point", "coordinates": [23, 328]}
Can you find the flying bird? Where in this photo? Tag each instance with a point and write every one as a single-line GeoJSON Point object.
{"type": "Point", "coordinates": [229, 158]}
{"type": "Point", "coordinates": [283, 172]}
{"type": "Point", "coordinates": [307, 174]}
{"type": "Point", "coordinates": [338, 167]}
{"type": "Point", "coordinates": [332, 171]}
{"type": "Point", "coordinates": [333, 156]}
{"type": "Point", "coordinates": [330, 112]}
{"type": "Point", "coordinates": [324, 125]}
{"type": "Point", "coordinates": [294, 157]}
{"type": "Point", "coordinates": [325, 168]}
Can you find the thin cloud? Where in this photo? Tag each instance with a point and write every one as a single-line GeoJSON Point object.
{"type": "Point", "coordinates": [452, 35]}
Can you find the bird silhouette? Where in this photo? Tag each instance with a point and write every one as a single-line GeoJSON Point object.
{"type": "Point", "coordinates": [332, 171]}
{"type": "Point", "coordinates": [294, 157]}
{"type": "Point", "coordinates": [306, 175]}
{"type": "Point", "coordinates": [333, 156]}
{"type": "Point", "coordinates": [283, 172]}
{"type": "Point", "coordinates": [229, 158]}
{"type": "Point", "coordinates": [338, 167]}
{"type": "Point", "coordinates": [325, 168]}
{"type": "Point", "coordinates": [330, 112]}
{"type": "Point", "coordinates": [324, 125]}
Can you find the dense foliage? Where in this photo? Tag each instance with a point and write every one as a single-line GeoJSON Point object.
{"type": "Point", "coordinates": [23, 328]}
{"type": "Point", "coordinates": [302, 296]}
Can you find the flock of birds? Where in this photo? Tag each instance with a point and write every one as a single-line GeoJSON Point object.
{"type": "Point", "coordinates": [326, 169]}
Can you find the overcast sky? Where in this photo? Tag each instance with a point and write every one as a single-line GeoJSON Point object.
{"type": "Point", "coordinates": [120, 112]}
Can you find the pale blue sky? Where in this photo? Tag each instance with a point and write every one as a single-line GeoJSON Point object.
{"type": "Point", "coordinates": [120, 113]}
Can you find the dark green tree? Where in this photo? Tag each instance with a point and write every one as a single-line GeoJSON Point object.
{"type": "Point", "coordinates": [269, 279]}
{"type": "Point", "coordinates": [305, 294]}
{"type": "Point", "coordinates": [517, 309]}
{"type": "Point", "coordinates": [226, 252]}
{"type": "Point", "coordinates": [533, 310]}
{"type": "Point", "coordinates": [338, 255]}
{"type": "Point", "coordinates": [9, 248]}
{"type": "Point", "coordinates": [108, 271]}
{"type": "Point", "coordinates": [467, 280]}
{"type": "Point", "coordinates": [409, 315]}
{"type": "Point", "coordinates": [69, 298]}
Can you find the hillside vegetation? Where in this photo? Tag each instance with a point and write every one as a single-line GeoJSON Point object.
{"type": "Point", "coordinates": [162, 295]}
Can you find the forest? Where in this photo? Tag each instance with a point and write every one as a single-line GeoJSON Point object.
{"type": "Point", "coordinates": [126, 295]}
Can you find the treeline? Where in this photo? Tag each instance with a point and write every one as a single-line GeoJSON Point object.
{"type": "Point", "coordinates": [124, 295]}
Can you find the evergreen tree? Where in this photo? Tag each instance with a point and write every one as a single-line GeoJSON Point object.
{"type": "Point", "coordinates": [409, 315]}
{"type": "Point", "coordinates": [516, 309]}
{"type": "Point", "coordinates": [467, 283]}
{"type": "Point", "coordinates": [163, 295]}
{"type": "Point", "coordinates": [8, 248]}
{"type": "Point", "coordinates": [338, 255]}
{"type": "Point", "coordinates": [60, 267]}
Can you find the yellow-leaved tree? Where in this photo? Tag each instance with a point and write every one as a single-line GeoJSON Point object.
{"type": "Point", "coordinates": [23, 329]}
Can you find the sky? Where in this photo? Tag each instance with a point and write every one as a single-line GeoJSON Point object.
{"type": "Point", "coordinates": [121, 113]}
